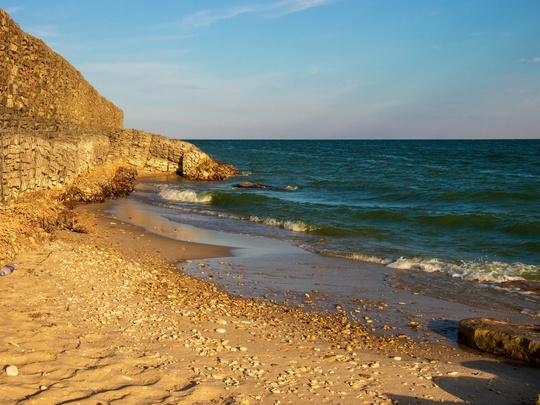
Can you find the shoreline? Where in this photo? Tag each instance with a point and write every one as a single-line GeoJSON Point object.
{"type": "Point", "coordinates": [164, 242]}
{"type": "Point", "coordinates": [106, 317]}
{"type": "Point", "coordinates": [271, 269]}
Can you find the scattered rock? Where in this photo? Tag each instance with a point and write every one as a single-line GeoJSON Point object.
{"type": "Point", "coordinates": [12, 371]}
{"type": "Point", "coordinates": [520, 342]}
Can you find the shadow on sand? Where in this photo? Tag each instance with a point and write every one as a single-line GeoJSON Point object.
{"type": "Point", "coordinates": [491, 387]}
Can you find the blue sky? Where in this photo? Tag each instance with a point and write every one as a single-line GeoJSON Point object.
{"type": "Point", "coordinates": [304, 68]}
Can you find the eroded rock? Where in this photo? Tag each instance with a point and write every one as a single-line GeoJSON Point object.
{"type": "Point", "coordinates": [521, 342]}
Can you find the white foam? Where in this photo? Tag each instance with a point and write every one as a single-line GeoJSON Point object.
{"type": "Point", "coordinates": [370, 259]}
{"type": "Point", "coordinates": [189, 196]}
{"type": "Point", "coordinates": [479, 271]}
{"type": "Point", "coordinates": [295, 226]}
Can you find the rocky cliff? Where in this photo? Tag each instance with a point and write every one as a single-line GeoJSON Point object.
{"type": "Point", "coordinates": [41, 91]}
{"type": "Point", "coordinates": [54, 126]}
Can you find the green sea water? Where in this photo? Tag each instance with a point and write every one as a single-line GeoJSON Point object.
{"type": "Point", "coordinates": [467, 208]}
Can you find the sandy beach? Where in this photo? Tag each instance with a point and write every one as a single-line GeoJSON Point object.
{"type": "Point", "coordinates": [106, 317]}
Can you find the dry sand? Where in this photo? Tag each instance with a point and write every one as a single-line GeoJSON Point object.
{"type": "Point", "coordinates": [103, 318]}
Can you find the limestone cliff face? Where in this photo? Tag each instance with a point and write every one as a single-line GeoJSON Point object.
{"type": "Point", "coordinates": [54, 126]}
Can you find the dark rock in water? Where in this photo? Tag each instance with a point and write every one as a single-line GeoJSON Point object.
{"type": "Point", "coordinates": [247, 184]}
{"type": "Point", "coordinates": [523, 285]}
{"type": "Point", "coordinates": [521, 342]}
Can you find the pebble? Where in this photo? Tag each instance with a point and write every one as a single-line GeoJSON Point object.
{"type": "Point", "coordinates": [220, 330]}
{"type": "Point", "coordinates": [12, 371]}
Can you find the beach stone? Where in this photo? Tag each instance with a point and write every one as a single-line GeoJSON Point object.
{"type": "Point", "coordinates": [12, 371]}
{"type": "Point", "coordinates": [521, 342]}
{"type": "Point", "coordinates": [523, 285]}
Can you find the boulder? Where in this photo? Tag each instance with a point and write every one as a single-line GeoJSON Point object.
{"type": "Point", "coordinates": [521, 342]}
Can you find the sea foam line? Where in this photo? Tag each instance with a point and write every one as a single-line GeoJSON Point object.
{"type": "Point", "coordinates": [479, 271]}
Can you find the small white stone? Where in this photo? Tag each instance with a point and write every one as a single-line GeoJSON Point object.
{"type": "Point", "coordinates": [397, 358]}
{"type": "Point", "coordinates": [243, 348]}
{"type": "Point", "coordinates": [12, 371]}
{"type": "Point", "coordinates": [220, 330]}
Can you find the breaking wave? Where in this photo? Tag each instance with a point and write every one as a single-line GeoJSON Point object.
{"type": "Point", "coordinates": [479, 271]}
{"type": "Point", "coordinates": [295, 226]}
{"type": "Point", "coordinates": [187, 196]}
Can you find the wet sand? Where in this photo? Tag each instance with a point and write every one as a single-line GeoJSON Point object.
{"type": "Point", "coordinates": [106, 317]}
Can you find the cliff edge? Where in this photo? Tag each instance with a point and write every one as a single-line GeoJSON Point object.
{"type": "Point", "coordinates": [54, 126]}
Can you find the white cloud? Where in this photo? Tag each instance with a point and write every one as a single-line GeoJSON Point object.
{"type": "Point", "coordinates": [43, 32]}
{"type": "Point", "coordinates": [532, 60]}
{"type": "Point", "coordinates": [184, 100]}
{"type": "Point", "coordinates": [13, 10]}
{"type": "Point", "coordinates": [274, 9]}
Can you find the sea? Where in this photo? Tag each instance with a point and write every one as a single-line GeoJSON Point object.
{"type": "Point", "coordinates": [465, 209]}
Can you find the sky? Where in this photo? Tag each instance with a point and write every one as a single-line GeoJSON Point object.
{"type": "Point", "coordinates": [332, 69]}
